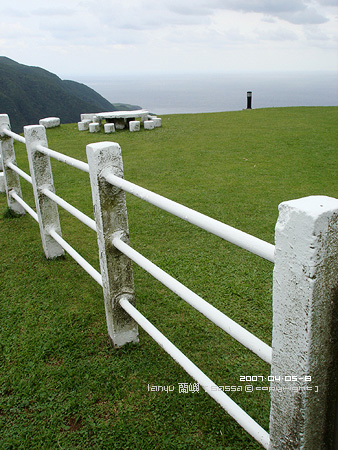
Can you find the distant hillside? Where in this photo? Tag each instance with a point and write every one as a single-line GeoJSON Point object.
{"type": "Point", "coordinates": [27, 94]}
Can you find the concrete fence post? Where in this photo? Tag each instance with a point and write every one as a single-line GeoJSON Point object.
{"type": "Point", "coordinates": [111, 219]}
{"type": "Point", "coordinates": [11, 178]}
{"type": "Point", "coordinates": [304, 371]}
{"type": "Point", "coordinates": [41, 173]}
{"type": "Point", "coordinates": [2, 176]}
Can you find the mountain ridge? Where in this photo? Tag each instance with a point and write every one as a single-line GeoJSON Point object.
{"type": "Point", "coordinates": [29, 93]}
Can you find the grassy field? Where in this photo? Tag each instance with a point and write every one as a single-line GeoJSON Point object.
{"type": "Point", "coordinates": [62, 386]}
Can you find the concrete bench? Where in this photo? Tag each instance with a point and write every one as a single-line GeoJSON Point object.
{"type": "Point", "coordinates": [2, 182]}
{"type": "Point", "coordinates": [157, 122]}
{"type": "Point", "coordinates": [50, 122]}
{"type": "Point", "coordinates": [149, 124]}
{"type": "Point", "coordinates": [109, 128]}
{"type": "Point", "coordinates": [134, 125]}
{"type": "Point", "coordinates": [94, 127]}
{"type": "Point", "coordinates": [83, 125]}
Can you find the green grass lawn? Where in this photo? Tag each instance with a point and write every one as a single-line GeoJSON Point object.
{"type": "Point", "coordinates": [62, 386]}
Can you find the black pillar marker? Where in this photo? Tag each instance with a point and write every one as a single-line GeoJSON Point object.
{"type": "Point", "coordinates": [249, 98]}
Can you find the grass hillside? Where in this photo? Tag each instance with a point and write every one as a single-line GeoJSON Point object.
{"type": "Point", "coordinates": [29, 93]}
{"type": "Point", "coordinates": [62, 386]}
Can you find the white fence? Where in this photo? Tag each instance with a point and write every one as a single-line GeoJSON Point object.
{"type": "Point", "coordinates": [304, 353]}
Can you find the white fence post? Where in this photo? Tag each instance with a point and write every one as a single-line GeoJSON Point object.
{"type": "Point", "coordinates": [2, 176]}
{"type": "Point", "coordinates": [11, 178]}
{"type": "Point", "coordinates": [304, 371]}
{"type": "Point", "coordinates": [41, 173]}
{"type": "Point", "coordinates": [111, 220]}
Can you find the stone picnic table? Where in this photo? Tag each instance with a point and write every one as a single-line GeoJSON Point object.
{"type": "Point", "coordinates": [118, 120]}
{"type": "Point", "coordinates": [122, 118]}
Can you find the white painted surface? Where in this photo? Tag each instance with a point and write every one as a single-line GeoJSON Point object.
{"type": "Point", "coordinates": [109, 128]}
{"type": "Point", "coordinates": [50, 122]}
{"type": "Point", "coordinates": [41, 173]}
{"type": "Point", "coordinates": [12, 180]}
{"type": "Point", "coordinates": [134, 125]}
{"type": "Point", "coordinates": [241, 417]}
{"type": "Point", "coordinates": [157, 121]}
{"type": "Point", "coordinates": [305, 338]}
{"type": "Point", "coordinates": [76, 256]}
{"type": "Point", "coordinates": [94, 127]}
{"type": "Point", "coordinates": [110, 216]}
{"type": "Point", "coordinates": [26, 207]}
{"type": "Point", "coordinates": [19, 172]}
{"type": "Point", "coordinates": [83, 126]}
{"type": "Point", "coordinates": [2, 183]}
{"type": "Point", "coordinates": [71, 209]}
{"type": "Point", "coordinates": [15, 136]}
{"type": "Point", "coordinates": [233, 235]}
{"type": "Point", "coordinates": [123, 114]}
{"type": "Point", "coordinates": [217, 317]}
{"type": "Point", "coordinates": [149, 124]}
{"type": "Point", "coordinates": [87, 117]}
{"type": "Point", "coordinates": [63, 158]}
{"type": "Point", "coordinates": [2, 176]}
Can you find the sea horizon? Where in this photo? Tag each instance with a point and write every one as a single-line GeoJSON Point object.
{"type": "Point", "coordinates": [202, 93]}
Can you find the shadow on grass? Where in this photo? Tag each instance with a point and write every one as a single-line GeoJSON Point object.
{"type": "Point", "coordinates": [9, 214]}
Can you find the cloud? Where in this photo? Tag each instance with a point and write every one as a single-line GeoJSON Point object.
{"type": "Point", "coordinates": [293, 11]}
{"type": "Point", "coordinates": [264, 6]}
{"type": "Point", "coordinates": [277, 34]}
{"type": "Point", "coordinates": [134, 17]}
{"type": "Point", "coordinates": [316, 35]}
{"type": "Point", "coordinates": [185, 34]}
{"type": "Point", "coordinates": [328, 2]}
{"type": "Point", "coordinates": [53, 11]}
{"type": "Point", "coordinates": [67, 31]}
{"type": "Point", "coordinates": [307, 17]}
{"type": "Point", "coordinates": [14, 13]}
{"type": "Point", "coordinates": [189, 7]}
{"type": "Point", "coordinates": [13, 30]}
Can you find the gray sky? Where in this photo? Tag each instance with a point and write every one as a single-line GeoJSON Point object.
{"type": "Point", "coordinates": [103, 37]}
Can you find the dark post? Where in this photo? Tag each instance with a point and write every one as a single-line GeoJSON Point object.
{"type": "Point", "coordinates": [249, 98]}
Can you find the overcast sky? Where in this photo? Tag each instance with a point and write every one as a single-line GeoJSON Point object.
{"type": "Point", "coordinates": [103, 37]}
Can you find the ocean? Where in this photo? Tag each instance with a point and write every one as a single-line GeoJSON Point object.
{"type": "Point", "coordinates": [199, 93]}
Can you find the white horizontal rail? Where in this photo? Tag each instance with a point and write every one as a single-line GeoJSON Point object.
{"type": "Point", "coordinates": [239, 333]}
{"type": "Point", "coordinates": [78, 258]}
{"type": "Point", "coordinates": [64, 158]}
{"type": "Point", "coordinates": [24, 205]}
{"type": "Point", "coordinates": [71, 209]}
{"type": "Point", "coordinates": [15, 136]}
{"type": "Point", "coordinates": [237, 237]}
{"type": "Point", "coordinates": [20, 172]}
{"type": "Point", "coordinates": [237, 413]}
